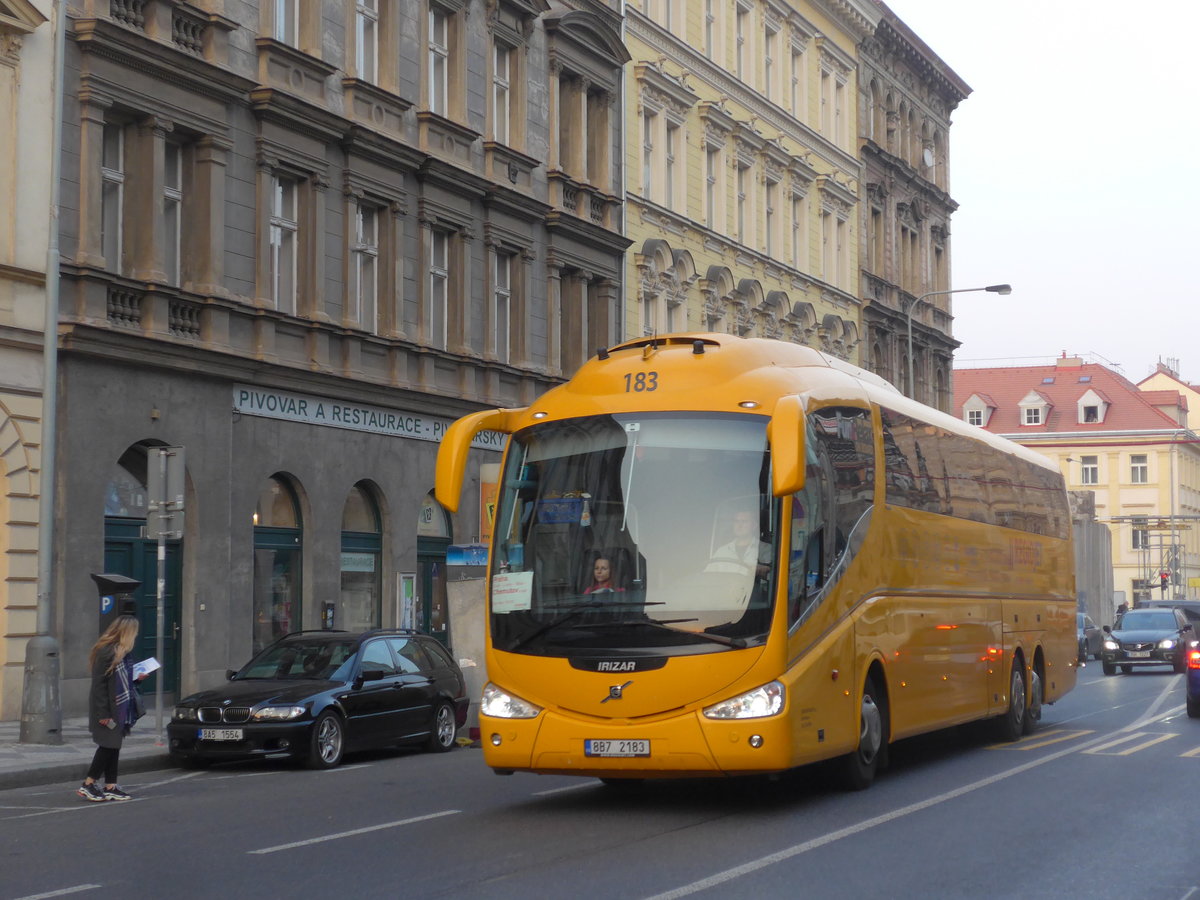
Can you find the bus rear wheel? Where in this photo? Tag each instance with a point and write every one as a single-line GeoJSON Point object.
{"type": "Point", "coordinates": [1011, 725]}
{"type": "Point", "coordinates": [860, 766]}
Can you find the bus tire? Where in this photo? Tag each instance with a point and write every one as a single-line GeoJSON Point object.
{"type": "Point", "coordinates": [859, 767]}
{"type": "Point", "coordinates": [1011, 725]}
{"type": "Point", "coordinates": [1033, 715]}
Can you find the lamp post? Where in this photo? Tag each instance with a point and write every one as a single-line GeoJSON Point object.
{"type": "Point", "coordinates": [991, 288]}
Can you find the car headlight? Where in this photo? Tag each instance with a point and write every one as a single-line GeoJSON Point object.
{"type": "Point", "coordinates": [277, 713]}
{"type": "Point", "coordinates": [1111, 645]}
{"type": "Point", "coordinates": [500, 704]}
{"type": "Point", "coordinates": [756, 704]}
{"type": "Point", "coordinates": [185, 714]}
{"type": "Point", "coordinates": [1168, 644]}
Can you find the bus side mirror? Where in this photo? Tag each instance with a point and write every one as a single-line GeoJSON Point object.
{"type": "Point", "coordinates": [785, 435]}
{"type": "Point", "coordinates": [456, 445]}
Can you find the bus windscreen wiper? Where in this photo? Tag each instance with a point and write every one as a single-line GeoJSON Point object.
{"type": "Point", "coordinates": [665, 625]}
{"type": "Point", "coordinates": [571, 613]}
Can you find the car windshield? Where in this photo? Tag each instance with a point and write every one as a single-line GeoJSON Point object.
{"type": "Point", "coordinates": [316, 657]}
{"type": "Point", "coordinates": [1148, 620]}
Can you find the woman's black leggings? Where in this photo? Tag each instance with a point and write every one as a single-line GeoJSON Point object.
{"type": "Point", "coordinates": [105, 763]}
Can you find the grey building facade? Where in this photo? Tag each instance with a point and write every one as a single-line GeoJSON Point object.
{"type": "Point", "coordinates": [299, 238]}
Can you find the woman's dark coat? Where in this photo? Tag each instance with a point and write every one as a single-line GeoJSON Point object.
{"type": "Point", "coordinates": [102, 702]}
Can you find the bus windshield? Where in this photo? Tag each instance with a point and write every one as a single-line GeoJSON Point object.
{"type": "Point", "coordinates": [647, 534]}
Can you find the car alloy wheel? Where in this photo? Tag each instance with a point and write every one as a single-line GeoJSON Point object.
{"type": "Point", "coordinates": [328, 741]}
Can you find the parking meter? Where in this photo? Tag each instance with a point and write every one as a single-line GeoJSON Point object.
{"type": "Point", "coordinates": [116, 597]}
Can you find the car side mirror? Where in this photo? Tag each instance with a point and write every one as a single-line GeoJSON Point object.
{"type": "Point", "coordinates": [229, 673]}
{"type": "Point", "coordinates": [364, 677]}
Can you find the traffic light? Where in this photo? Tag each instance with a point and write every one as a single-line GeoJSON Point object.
{"type": "Point", "coordinates": [1163, 579]}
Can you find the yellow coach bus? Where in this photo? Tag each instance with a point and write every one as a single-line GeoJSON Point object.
{"type": "Point", "coordinates": [714, 555]}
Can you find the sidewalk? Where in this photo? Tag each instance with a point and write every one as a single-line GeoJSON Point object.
{"type": "Point", "coordinates": [27, 764]}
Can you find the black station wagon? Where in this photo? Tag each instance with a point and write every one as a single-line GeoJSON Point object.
{"type": "Point", "coordinates": [318, 694]}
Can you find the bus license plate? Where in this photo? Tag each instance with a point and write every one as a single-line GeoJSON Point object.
{"type": "Point", "coordinates": [1138, 654]}
{"type": "Point", "coordinates": [616, 748]}
{"type": "Point", "coordinates": [220, 734]}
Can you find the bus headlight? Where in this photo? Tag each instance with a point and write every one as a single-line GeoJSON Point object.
{"type": "Point", "coordinates": [502, 705]}
{"type": "Point", "coordinates": [756, 704]}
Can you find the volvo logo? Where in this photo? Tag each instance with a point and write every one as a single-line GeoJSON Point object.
{"type": "Point", "coordinates": [615, 690]}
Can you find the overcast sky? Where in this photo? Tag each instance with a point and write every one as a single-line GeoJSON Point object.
{"type": "Point", "coordinates": [1074, 164]}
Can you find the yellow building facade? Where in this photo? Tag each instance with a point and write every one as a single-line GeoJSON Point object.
{"type": "Point", "coordinates": [743, 177]}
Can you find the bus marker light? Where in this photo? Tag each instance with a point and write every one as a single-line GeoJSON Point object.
{"type": "Point", "coordinates": [748, 404]}
{"type": "Point", "coordinates": [756, 741]}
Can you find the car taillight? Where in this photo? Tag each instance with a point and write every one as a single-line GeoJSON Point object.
{"type": "Point", "coordinates": [1193, 659]}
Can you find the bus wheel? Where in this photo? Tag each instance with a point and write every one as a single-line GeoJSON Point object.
{"type": "Point", "coordinates": [859, 767]}
{"type": "Point", "coordinates": [1033, 715]}
{"type": "Point", "coordinates": [1010, 725]}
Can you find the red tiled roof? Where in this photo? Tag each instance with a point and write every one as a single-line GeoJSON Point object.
{"type": "Point", "coordinates": [1129, 409]}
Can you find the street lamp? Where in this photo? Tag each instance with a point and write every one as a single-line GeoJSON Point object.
{"type": "Point", "coordinates": [991, 288]}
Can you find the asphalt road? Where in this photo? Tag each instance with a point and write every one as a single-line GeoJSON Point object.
{"type": "Point", "coordinates": [1098, 804]}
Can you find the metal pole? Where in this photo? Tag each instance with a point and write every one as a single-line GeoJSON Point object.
{"type": "Point", "coordinates": [991, 289]}
{"type": "Point", "coordinates": [41, 708]}
{"type": "Point", "coordinates": [160, 600]}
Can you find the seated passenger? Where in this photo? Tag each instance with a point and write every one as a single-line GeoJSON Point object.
{"type": "Point", "coordinates": [602, 580]}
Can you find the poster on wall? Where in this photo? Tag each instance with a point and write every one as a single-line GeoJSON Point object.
{"type": "Point", "coordinates": [489, 476]}
{"type": "Point", "coordinates": [406, 600]}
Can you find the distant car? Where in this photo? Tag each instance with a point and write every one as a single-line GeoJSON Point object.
{"type": "Point", "coordinates": [1193, 680]}
{"type": "Point", "coordinates": [1090, 637]}
{"type": "Point", "coordinates": [318, 694]}
{"type": "Point", "coordinates": [1146, 637]}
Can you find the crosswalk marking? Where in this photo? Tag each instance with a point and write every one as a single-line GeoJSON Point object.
{"type": "Point", "coordinates": [1103, 749]}
{"type": "Point", "coordinates": [1195, 751]}
{"type": "Point", "coordinates": [1042, 739]}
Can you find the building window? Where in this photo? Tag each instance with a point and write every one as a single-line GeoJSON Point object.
{"type": "Point", "coordinates": [1139, 468]}
{"type": "Point", "coordinates": [361, 592]}
{"type": "Point", "coordinates": [501, 92]}
{"type": "Point", "coordinates": [769, 215]}
{"type": "Point", "coordinates": [669, 179]}
{"type": "Point", "coordinates": [1033, 416]}
{"type": "Point", "coordinates": [975, 417]}
{"type": "Point", "coordinates": [172, 210]}
{"type": "Point", "coordinates": [287, 22]}
{"type": "Point", "coordinates": [366, 39]}
{"type": "Point", "coordinates": [799, 232]}
{"type": "Point", "coordinates": [742, 50]}
{"type": "Point", "coordinates": [439, 61]}
{"type": "Point", "coordinates": [648, 155]}
{"type": "Point", "coordinates": [770, 39]}
{"type": "Point", "coordinates": [798, 63]}
{"type": "Point", "coordinates": [1089, 470]}
{"type": "Point", "coordinates": [502, 305]}
{"type": "Point", "coordinates": [1091, 414]}
{"type": "Point", "coordinates": [743, 187]}
{"type": "Point", "coordinates": [112, 174]}
{"type": "Point", "coordinates": [712, 167]}
{"type": "Point", "coordinates": [828, 247]}
{"type": "Point", "coordinates": [439, 288]}
{"type": "Point", "coordinates": [710, 28]}
{"type": "Point", "coordinates": [366, 266]}
{"type": "Point", "coordinates": [1140, 534]}
{"type": "Point", "coordinates": [278, 545]}
{"type": "Point", "coordinates": [284, 235]}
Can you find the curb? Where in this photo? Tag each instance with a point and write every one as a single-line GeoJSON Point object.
{"type": "Point", "coordinates": [77, 771]}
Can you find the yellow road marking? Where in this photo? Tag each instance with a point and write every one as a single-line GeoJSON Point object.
{"type": "Point", "coordinates": [1103, 748]}
{"type": "Point", "coordinates": [1041, 739]}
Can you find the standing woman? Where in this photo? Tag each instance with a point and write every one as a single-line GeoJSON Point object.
{"type": "Point", "coordinates": [112, 708]}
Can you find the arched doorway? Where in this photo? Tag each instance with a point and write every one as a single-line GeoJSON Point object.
{"type": "Point", "coordinates": [362, 549]}
{"type": "Point", "coordinates": [128, 552]}
{"type": "Point", "coordinates": [433, 538]}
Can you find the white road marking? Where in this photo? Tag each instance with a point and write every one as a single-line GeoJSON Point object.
{"type": "Point", "coordinates": [62, 893]}
{"type": "Point", "coordinates": [154, 784]}
{"type": "Point", "coordinates": [356, 831]}
{"type": "Point", "coordinates": [788, 852]}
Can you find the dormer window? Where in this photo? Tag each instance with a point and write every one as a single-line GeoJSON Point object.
{"type": "Point", "coordinates": [1091, 407]}
{"type": "Point", "coordinates": [1035, 408]}
{"type": "Point", "coordinates": [977, 410]}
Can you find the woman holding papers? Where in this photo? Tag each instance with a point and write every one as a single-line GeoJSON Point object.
{"type": "Point", "coordinates": [113, 706]}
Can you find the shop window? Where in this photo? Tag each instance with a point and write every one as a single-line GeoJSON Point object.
{"type": "Point", "coordinates": [278, 548]}
{"type": "Point", "coordinates": [359, 601]}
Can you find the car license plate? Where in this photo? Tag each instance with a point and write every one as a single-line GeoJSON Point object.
{"type": "Point", "coordinates": [221, 734]}
{"type": "Point", "coordinates": [1138, 654]}
{"type": "Point", "coordinates": [616, 748]}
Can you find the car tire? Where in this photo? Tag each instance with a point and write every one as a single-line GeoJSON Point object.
{"type": "Point", "coordinates": [327, 741]}
{"type": "Point", "coordinates": [1193, 707]}
{"type": "Point", "coordinates": [443, 730]}
{"type": "Point", "coordinates": [1010, 726]}
{"type": "Point", "coordinates": [1109, 668]}
{"type": "Point", "coordinates": [1179, 666]}
{"type": "Point", "coordinates": [1128, 670]}
{"type": "Point", "coordinates": [860, 766]}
